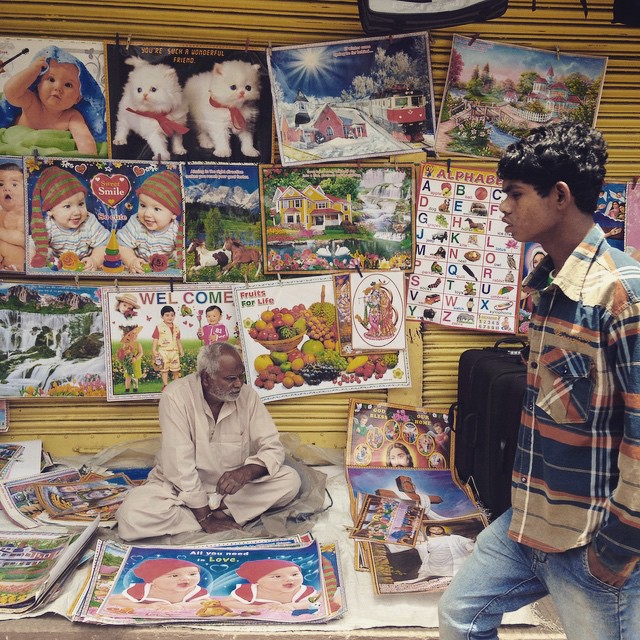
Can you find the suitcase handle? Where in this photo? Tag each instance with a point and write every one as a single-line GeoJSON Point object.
{"type": "Point", "coordinates": [510, 340]}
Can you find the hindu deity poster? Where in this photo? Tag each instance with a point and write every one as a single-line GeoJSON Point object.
{"type": "Point", "coordinates": [496, 93]}
{"type": "Point", "coordinates": [289, 337]}
{"type": "Point", "coordinates": [154, 334]}
{"type": "Point", "coordinates": [353, 99]}
{"type": "Point", "coordinates": [12, 215]}
{"type": "Point", "coordinates": [195, 102]}
{"type": "Point", "coordinates": [632, 222]}
{"type": "Point", "coordinates": [52, 98]}
{"type": "Point", "coordinates": [467, 271]}
{"type": "Point", "coordinates": [53, 341]}
{"type": "Point", "coordinates": [111, 218]}
{"type": "Point", "coordinates": [222, 223]}
{"type": "Point", "coordinates": [330, 218]}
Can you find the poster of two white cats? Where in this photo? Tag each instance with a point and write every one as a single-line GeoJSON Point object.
{"type": "Point", "coordinates": [189, 103]}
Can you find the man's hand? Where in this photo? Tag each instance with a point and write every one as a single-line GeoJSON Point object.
{"type": "Point", "coordinates": [601, 572]}
{"type": "Point", "coordinates": [214, 521]}
{"type": "Point", "coordinates": [231, 482]}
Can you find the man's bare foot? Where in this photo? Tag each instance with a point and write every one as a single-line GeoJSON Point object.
{"type": "Point", "coordinates": [220, 521]}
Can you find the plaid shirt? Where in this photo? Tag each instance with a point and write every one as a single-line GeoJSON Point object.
{"type": "Point", "coordinates": [577, 469]}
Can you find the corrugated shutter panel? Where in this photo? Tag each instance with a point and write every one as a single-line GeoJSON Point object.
{"type": "Point", "coordinates": [65, 425]}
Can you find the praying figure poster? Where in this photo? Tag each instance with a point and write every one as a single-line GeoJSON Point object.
{"type": "Point", "coordinates": [189, 102]}
{"type": "Point", "coordinates": [110, 218]}
{"type": "Point", "coordinates": [52, 98]}
{"type": "Point", "coordinates": [353, 99]}
{"type": "Point", "coordinates": [495, 93]}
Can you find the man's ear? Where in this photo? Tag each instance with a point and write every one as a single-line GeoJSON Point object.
{"type": "Point", "coordinates": [562, 193]}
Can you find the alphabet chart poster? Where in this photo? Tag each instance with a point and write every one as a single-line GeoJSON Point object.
{"type": "Point", "coordinates": [467, 265]}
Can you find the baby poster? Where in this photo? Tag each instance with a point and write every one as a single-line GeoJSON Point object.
{"type": "Point", "coordinates": [223, 584]}
{"type": "Point", "coordinates": [189, 102]}
{"type": "Point", "coordinates": [153, 334]}
{"type": "Point", "coordinates": [467, 271]}
{"type": "Point", "coordinates": [52, 98]}
{"type": "Point", "coordinates": [290, 343]}
{"type": "Point", "coordinates": [12, 215]}
{"type": "Point", "coordinates": [110, 218]}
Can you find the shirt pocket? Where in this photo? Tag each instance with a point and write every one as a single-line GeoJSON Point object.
{"type": "Point", "coordinates": [229, 450]}
{"type": "Point", "coordinates": [566, 385]}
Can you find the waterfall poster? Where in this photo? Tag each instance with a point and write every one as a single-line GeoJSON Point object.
{"type": "Point", "coordinates": [154, 333]}
{"type": "Point", "coordinates": [496, 93]}
{"type": "Point", "coordinates": [467, 268]}
{"type": "Point", "coordinates": [340, 101]}
{"type": "Point", "coordinates": [322, 219]}
{"type": "Point", "coordinates": [51, 341]}
{"type": "Point", "coordinates": [111, 218]}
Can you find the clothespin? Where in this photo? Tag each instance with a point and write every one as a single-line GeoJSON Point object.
{"type": "Point", "coordinates": [557, 52]}
{"type": "Point", "coordinates": [448, 165]}
{"type": "Point", "coordinates": [269, 47]}
{"type": "Point", "coordinates": [585, 7]}
{"type": "Point", "coordinates": [35, 154]}
{"type": "Point", "coordinates": [474, 37]}
{"type": "Point", "coordinates": [390, 39]}
{"type": "Point", "coordinates": [246, 44]}
{"type": "Point", "coordinates": [533, 5]}
{"type": "Point", "coordinates": [171, 285]}
{"type": "Point", "coordinates": [117, 41]}
{"type": "Point", "coordinates": [128, 43]}
{"type": "Point", "coordinates": [115, 284]}
{"type": "Point", "coordinates": [357, 266]}
{"type": "Point", "coordinates": [159, 160]}
{"type": "Point", "coordinates": [279, 278]}
{"type": "Point", "coordinates": [77, 280]}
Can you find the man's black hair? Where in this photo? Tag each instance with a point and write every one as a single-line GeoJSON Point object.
{"type": "Point", "coordinates": [568, 152]}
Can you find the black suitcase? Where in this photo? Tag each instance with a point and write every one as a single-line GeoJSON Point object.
{"type": "Point", "coordinates": [491, 384]}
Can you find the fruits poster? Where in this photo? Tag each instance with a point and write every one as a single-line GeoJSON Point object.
{"type": "Point", "coordinates": [109, 218]}
{"type": "Point", "coordinates": [154, 333]}
{"type": "Point", "coordinates": [288, 331]}
{"type": "Point", "coordinates": [467, 273]}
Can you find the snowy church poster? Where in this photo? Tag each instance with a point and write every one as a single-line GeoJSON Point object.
{"type": "Point", "coordinates": [52, 341]}
{"type": "Point", "coordinates": [353, 99]}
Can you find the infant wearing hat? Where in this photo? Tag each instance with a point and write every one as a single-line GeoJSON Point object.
{"type": "Point", "coordinates": [165, 582]}
{"type": "Point", "coordinates": [271, 584]}
{"type": "Point", "coordinates": [61, 222]}
{"type": "Point", "coordinates": [154, 228]}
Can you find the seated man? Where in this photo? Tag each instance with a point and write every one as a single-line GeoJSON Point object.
{"type": "Point", "coordinates": [220, 462]}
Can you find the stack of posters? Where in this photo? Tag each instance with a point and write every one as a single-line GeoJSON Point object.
{"type": "Point", "coordinates": [285, 580]}
{"type": "Point", "coordinates": [34, 564]}
{"type": "Point", "coordinates": [62, 496]}
{"type": "Point", "coordinates": [414, 522]}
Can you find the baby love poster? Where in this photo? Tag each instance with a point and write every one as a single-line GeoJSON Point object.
{"type": "Point", "coordinates": [110, 218]}
{"type": "Point", "coordinates": [52, 98]}
{"type": "Point", "coordinates": [199, 584]}
{"type": "Point", "coordinates": [153, 334]}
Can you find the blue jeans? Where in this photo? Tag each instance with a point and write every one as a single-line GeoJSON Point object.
{"type": "Point", "coordinates": [502, 575]}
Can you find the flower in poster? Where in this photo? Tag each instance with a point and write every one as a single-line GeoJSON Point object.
{"type": "Point", "coordinates": [401, 416]}
{"type": "Point", "coordinates": [158, 262]}
{"type": "Point", "coordinates": [69, 261]}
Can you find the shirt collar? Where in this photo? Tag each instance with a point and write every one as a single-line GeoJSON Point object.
{"type": "Point", "coordinates": [570, 279]}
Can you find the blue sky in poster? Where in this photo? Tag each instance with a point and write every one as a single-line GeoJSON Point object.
{"type": "Point", "coordinates": [326, 70]}
{"type": "Point", "coordinates": [509, 61]}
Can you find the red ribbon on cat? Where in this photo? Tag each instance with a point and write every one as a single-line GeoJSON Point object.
{"type": "Point", "coordinates": [166, 124]}
{"type": "Point", "coordinates": [237, 119]}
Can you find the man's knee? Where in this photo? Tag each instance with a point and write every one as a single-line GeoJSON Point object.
{"type": "Point", "coordinates": [291, 483]}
